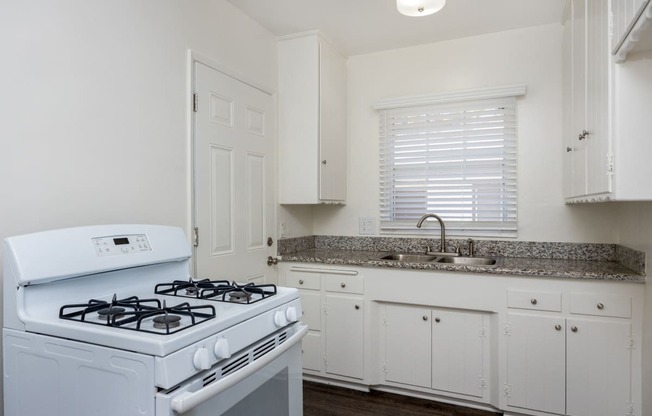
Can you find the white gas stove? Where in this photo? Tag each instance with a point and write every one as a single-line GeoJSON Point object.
{"type": "Point", "coordinates": [106, 320]}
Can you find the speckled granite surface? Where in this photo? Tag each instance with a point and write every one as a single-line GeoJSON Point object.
{"type": "Point", "coordinates": [559, 260]}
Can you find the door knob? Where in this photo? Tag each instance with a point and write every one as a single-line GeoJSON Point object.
{"type": "Point", "coordinates": [271, 260]}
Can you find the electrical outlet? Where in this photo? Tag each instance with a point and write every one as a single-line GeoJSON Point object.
{"type": "Point", "coordinates": [367, 226]}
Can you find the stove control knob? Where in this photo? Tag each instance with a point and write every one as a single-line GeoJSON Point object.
{"type": "Point", "coordinates": [279, 319]}
{"type": "Point", "coordinates": [200, 359]}
{"type": "Point", "coordinates": [291, 314]}
{"type": "Point", "coordinates": [221, 349]}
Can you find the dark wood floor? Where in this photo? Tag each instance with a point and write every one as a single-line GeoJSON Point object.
{"type": "Point", "coordinates": [324, 400]}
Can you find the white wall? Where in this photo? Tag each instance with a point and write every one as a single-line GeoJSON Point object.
{"type": "Point", "coordinates": [93, 104]}
{"type": "Point", "coordinates": [531, 56]}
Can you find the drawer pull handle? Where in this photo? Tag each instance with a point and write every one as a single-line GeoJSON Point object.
{"type": "Point", "coordinates": [357, 307]}
{"type": "Point", "coordinates": [437, 320]}
{"type": "Point", "coordinates": [300, 282]}
{"type": "Point", "coordinates": [558, 327]}
{"type": "Point", "coordinates": [600, 306]}
{"type": "Point", "coordinates": [574, 328]}
{"type": "Point", "coordinates": [425, 318]}
{"type": "Point", "coordinates": [533, 301]}
{"type": "Point", "coordinates": [343, 285]}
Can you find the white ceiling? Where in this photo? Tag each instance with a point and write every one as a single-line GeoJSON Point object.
{"type": "Point", "coordinates": [363, 26]}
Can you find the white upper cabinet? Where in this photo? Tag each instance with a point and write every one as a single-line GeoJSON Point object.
{"type": "Point", "coordinates": [632, 27]}
{"type": "Point", "coordinates": [606, 134]}
{"type": "Point", "coordinates": [312, 121]}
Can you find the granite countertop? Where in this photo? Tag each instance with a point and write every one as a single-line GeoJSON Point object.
{"type": "Point", "coordinates": [532, 267]}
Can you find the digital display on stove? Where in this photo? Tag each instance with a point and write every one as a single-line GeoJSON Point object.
{"type": "Point", "coordinates": [120, 241]}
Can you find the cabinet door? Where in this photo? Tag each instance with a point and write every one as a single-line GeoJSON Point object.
{"type": "Point", "coordinates": [599, 370]}
{"type": "Point", "coordinates": [408, 345]}
{"type": "Point", "coordinates": [344, 346]}
{"type": "Point", "coordinates": [332, 124]}
{"type": "Point", "coordinates": [597, 96]}
{"type": "Point", "coordinates": [458, 346]}
{"type": "Point", "coordinates": [311, 305]}
{"type": "Point", "coordinates": [536, 363]}
{"type": "Point", "coordinates": [311, 349]}
{"type": "Point", "coordinates": [578, 69]}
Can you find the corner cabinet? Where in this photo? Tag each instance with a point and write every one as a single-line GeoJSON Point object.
{"type": "Point", "coordinates": [312, 121]}
{"type": "Point", "coordinates": [606, 135]}
{"type": "Point", "coordinates": [333, 310]}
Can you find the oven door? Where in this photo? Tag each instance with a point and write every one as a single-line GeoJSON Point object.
{"type": "Point", "coordinates": [255, 384]}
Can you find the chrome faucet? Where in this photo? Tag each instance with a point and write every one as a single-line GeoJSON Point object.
{"type": "Point", "coordinates": [442, 245]}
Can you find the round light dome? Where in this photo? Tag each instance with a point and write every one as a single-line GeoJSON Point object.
{"type": "Point", "coordinates": [419, 7]}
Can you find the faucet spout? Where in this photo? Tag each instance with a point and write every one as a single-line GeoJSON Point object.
{"type": "Point", "coordinates": [442, 244]}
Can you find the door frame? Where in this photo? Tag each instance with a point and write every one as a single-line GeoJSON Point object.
{"type": "Point", "coordinates": [191, 208]}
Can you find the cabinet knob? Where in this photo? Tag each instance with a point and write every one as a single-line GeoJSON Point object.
{"type": "Point", "coordinates": [574, 328]}
{"type": "Point", "coordinates": [357, 307]}
{"type": "Point", "coordinates": [343, 285]}
{"type": "Point", "coordinates": [533, 301]}
{"type": "Point", "coordinates": [301, 281]}
{"type": "Point", "coordinates": [437, 320]}
{"type": "Point", "coordinates": [583, 135]}
{"type": "Point", "coordinates": [569, 149]}
{"type": "Point", "coordinates": [425, 318]}
{"type": "Point", "coordinates": [600, 306]}
{"type": "Point", "coordinates": [323, 162]}
{"type": "Point", "coordinates": [558, 327]}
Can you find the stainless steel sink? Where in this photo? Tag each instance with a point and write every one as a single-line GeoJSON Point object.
{"type": "Point", "coordinates": [469, 261]}
{"type": "Point", "coordinates": [410, 258]}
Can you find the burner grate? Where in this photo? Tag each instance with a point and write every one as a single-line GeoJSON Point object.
{"type": "Point", "coordinates": [217, 290]}
{"type": "Point", "coordinates": [134, 311]}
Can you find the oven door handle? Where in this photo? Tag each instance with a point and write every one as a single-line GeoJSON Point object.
{"type": "Point", "coordinates": [187, 401]}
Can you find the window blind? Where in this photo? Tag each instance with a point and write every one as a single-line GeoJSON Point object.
{"type": "Point", "coordinates": [456, 160]}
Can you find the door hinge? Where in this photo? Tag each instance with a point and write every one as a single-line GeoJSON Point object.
{"type": "Point", "coordinates": [507, 330]}
{"type": "Point", "coordinates": [631, 344]}
{"type": "Point", "coordinates": [482, 383]}
{"type": "Point", "coordinates": [630, 409]}
{"type": "Point", "coordinates": [610, 164]}
{"type": "Point", "coordinates": [196, 242]}
{"type": "Point", "coordinates": [385, 367]}
{"type": "Point", "coordinates": [507, 389]}
{"type": "Point", "coordinates": [195, 102]}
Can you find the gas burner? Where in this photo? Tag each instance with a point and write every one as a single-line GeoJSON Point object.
{"type": "Point", "coordinates": [167, 321]}
{"type": "Point", "coordinates": [189, 288]}
{"type": "Point", "coordinates": [239, 296]}
{"type": "Point", "coordinates": [112, 312]}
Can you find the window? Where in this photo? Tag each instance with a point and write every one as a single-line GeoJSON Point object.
{"type": "Point", "coordinates": [454, 159]}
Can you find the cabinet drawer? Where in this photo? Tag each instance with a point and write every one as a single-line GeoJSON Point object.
{"type": "Point", "coordinates": [619, 306]}
{"type": "Point", "coordinates": [539, 301]}
{"type": "Point", "coordinates": [343, 284]}
{"type": "Point", "coordinates": [303, 280]}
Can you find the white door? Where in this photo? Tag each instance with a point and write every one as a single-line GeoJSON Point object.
{"type": "Point", "coordinates": [234, 141]}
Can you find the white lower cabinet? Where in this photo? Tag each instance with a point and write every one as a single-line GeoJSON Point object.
{"type": "Point", "coordinates": [344, 346]}
{"type": "Point", "coordinates": [439, 349]}
{"type": "Point", "coordinates": [333, 310]}
{"type": "Point", "coordinates": [566, 366]}
{"type": "Point", "coordinates": [536, 363]}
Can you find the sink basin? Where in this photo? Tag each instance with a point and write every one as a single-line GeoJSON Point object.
{"type": "Point", "coordinates": [470, 261]}
{"type": "Point", "coordinates": [411, 258]}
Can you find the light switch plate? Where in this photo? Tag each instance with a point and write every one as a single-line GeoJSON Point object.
{"type": "Point", "coordinates": [367, 226]}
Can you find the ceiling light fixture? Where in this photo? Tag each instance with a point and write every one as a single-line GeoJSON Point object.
{"type": "Point", "coordinates": [419, 7]}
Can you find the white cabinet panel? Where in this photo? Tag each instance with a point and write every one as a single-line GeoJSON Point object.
{"type": "Point", "coordinates": [598, 367]}
{"type": "Point", "coordinates": [311, 348]}
{"type": "Point", "coordinates": [536, 363]}
{"type": "Point", "coordinates": [311, 303]}
{"type": "Point", "coordinates": [344, 345]}
{"type": "Point", "coordinates": [458, 352]}
{"type": "Point", "coordinates": [408, 345]}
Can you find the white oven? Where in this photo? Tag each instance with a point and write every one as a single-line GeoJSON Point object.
{"type": "Point", "coordinates": [106, 321]}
